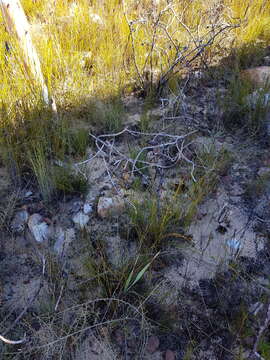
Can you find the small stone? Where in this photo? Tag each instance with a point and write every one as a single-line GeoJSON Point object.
{"type": "Point", "coordinates": [169, 355]}
{"type": "Point", "coordinates": [19, 222]}
{"type": "Point", "coordinates": [80, 219]}
{"type": "Point", "coordinates": [152, 344]}
{"type": "Point", "coordinates": [258, 76]}
{"type": "Point", "coordinates": [28, 194]}
{"type": "Point", "coordinates": [39, 229]}
{"type": "Point", "coordinates": [110, 206]}
{"type": "Point", "coordinates": [87, 209]}
{"type": "Point", "coordinates": [63, 240]}
{"type": "Point", "coordinates": [75, 207]}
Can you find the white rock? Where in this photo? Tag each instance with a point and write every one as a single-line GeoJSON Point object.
{"type": "Point", "coordinates": [63, 240]}
{"type": "Point", "coordinates": [39, 229]}
{"type": "Point", "coordinates": [80, 219]}
{"type": "Point", "coordinates": [28, 194]}
{"type": "Point", "coordinates": [19, 222]}
{"type": "Point", "coordinates": [87, 209]}
{"type": "Point", "coordinates": [110, 206]}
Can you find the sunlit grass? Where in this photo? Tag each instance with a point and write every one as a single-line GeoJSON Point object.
{"type": "Point", "coordinates": [255, 15]}
{"type": "Point", "coordinates": [101, 50]}
{"type": "Point", "coordinates": [86, 50]}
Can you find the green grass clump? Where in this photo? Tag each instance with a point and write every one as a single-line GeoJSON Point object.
{"type": "Point", "coordinates": [115, 280]}
{"type": "Point", "coordinates": [246, 108]}
{"type": "Point", "coordinates": [34, 141]}
{"type": "Point", "coordinates": [153, 220]}
{"type": "Point", "coordinates": [110, 116]}
{"type": "Point", "coordinates": [66, 181]}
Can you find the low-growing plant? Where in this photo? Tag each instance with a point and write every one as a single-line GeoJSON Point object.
{"type": "Point", "coordinates": [258, 186]}
{"type": "Point", "coordinates": [264, 348]}
{"type": "Point", "coordinates": [79, 141]}
{"type": "Point", "coordinates": [112, 116]}
{"type": "Point", "coordinates": [117, 281]}
{"type": "Point", "coordinates": [7, 209]}
{"type": "Point", "coordinates": [153, 219]}
{"type": "Point", "coordinates": [42, 170]}
{"type": "Point", "coordinates": [34, 141]}
{"type": "Point", "coordinates": [140, 156]}
{"type": "Point", "coordinates": [245, 108]}
{"type": "Point", "coordinates": [144, 122]}
{"type": "Point", "coordinates": [134, 277]}
{"type": "Point", "coordinates": [107, 114]}
{"type": "Point", "coordinates": [67, 181]}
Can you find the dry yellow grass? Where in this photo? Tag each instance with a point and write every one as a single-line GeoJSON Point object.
{"type": "Point", "coordinates": [86, 50]}
{"type": "Point", "coordinates": [100, 50]}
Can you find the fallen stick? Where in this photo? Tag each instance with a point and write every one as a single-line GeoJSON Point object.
{"type": "Point", "coordinates": [12, 342]}
{"type": "Point", "coordinates": [17, 25]}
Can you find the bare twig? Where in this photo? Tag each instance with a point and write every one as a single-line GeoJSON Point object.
{"type": "Point", "coordinates": [12, 342]}
{"type": "Point", "coordinates": [59, 298]}
{"type": "Point", "coordinates": [262, 329]}
{"type": "Point", "coordinates": [186, 58]}
{"type": "Point", "coordinates": [160, 144]}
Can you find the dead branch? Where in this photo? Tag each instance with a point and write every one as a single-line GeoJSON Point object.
{"type": "Point", "coordinates": [167, 151]}
{"type": "Point", "coordinates": [183, 55]}
{"type": "Point", "coordinates": [12, 342]}
{"type": "Point", "coordinates": [187, 57]}
{"type": "Point", "coordinates": [262, 329]}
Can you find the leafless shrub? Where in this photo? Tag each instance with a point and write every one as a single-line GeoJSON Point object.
{"type": "Point", "coordinates": [163, 28]}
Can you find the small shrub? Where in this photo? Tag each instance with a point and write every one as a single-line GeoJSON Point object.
{"type": "Point", "coordinates": [154, 219]}
{"type": "Point", "coordinates": [79, 141]}
{"type": "Point", "coordinates": [67, 182]}
{"type": "Point", "coordinates": [107, 115]}
{"type": "Point", "coordinates": [115, 281]}
{"type": "Point", "coordinates": [264, 348]}
{"type": "Point", "coordinates": [113, 116]}
{"type": "Point", "coordinates": [245, 108]}
{"type": "Point", "coordinates": [34, 141]}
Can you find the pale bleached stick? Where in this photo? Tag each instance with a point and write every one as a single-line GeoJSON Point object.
{"type": "Point", "coordinates": [17, 25]}
{"type": "Point", "coordinates": [12, 342]}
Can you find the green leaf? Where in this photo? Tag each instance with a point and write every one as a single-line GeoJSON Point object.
{"type": "Point", "coordinates": [128, 280]}
{"type": "Point", "coordinates": [140, 274]}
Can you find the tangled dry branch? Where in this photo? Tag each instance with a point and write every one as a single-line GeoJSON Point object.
{"type": "Point", "coordinates": [160, 24]}
{"type": "Point", "coordinates": [167, 150]}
